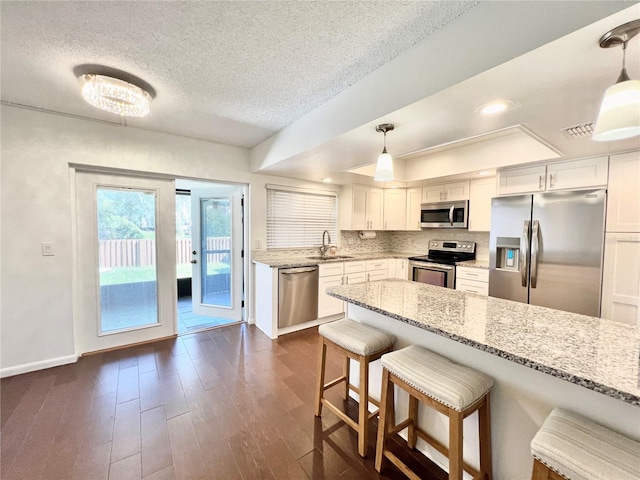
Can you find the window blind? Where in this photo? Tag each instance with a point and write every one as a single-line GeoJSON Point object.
{"type": "Point", "coordinates": [297, 219]}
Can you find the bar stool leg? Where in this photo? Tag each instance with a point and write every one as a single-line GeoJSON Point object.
{"type": "Point", "coordinates": [345, 372]}
{"type": "Point", "coordinates": [455, 445]}
{"type": "Point", "coordinates": [413, 416]}
{"type": "Point", "coordinates": [322, 358]}
{"type": "Point", "coordinates": [484, 422]}
{"type": "Point", "coordinates": [363, 407]}
{"type": "Point", "coordinates": [384, 419]}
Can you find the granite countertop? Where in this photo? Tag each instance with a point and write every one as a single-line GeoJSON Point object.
{"type": "Point", "coordinates": [474, 264]}
{"type": "Point", "coordinates": [595, 353]}
{"type": "Point", "coordinates": [291, 262]}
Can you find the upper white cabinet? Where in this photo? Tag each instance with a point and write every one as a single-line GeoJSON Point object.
{"type": "Point", "coordinates": [361, 208]}
{"type": "Point", "coordinates": [522, 180]}
{"type": "Point", "coordinates": [623, 206]}
{"type": "Point", "coordinates": [445, 192]}
{"type": "Point", "coordinates": [481, 192]}
{"type": "Point", "coordinates": [590, 172]}
{"type": "Point", "coordinates": [414, 199]}
{"type": "Point", "coordinates": [395, 208]}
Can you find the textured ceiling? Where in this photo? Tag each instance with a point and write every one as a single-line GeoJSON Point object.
{"type": "Point", "coordinates": [231, 72]}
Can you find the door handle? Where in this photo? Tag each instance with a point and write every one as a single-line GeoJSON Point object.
{"type": "Point", "coordinates": [550, 182]}
{"type": "Point", "coordinates": [524, 253]}
{"type": "Point", "coordinates": [451, 215]}
{"type": "Point", "coordinates": [535, 244]}
{"type": "Point", "coordinates": [541, 178]}
{"type": "Point", "coordinates": [194, 261]}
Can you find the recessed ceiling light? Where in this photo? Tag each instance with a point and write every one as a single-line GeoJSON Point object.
{"type": "Point", "coordinates": [115, 95]}
{"type": "Point", "coordinates": [493, 108]}
{"type": "Point", "coordinates": [326, 180]}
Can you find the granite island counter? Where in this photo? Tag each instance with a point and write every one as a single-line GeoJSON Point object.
{"type": "Point", "coordinates": [539, 358]}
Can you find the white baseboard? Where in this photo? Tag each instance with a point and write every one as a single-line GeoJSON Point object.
{"type": "Point", "coordinates": [41, 365]}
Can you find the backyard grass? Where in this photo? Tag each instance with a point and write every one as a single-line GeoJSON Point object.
{"type": "Point", "coordinates": [116, 276]}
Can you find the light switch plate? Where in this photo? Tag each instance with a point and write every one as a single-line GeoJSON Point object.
{"type": "Point", "coordinates": [47, 249]}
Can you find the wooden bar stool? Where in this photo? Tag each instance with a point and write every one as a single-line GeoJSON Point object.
{"type": "Point", "coordinates": [358, 342]}
{"type": "Point", "coordinates": [571, 446]}
{"type": "Point", "coordinates": [449, 388]}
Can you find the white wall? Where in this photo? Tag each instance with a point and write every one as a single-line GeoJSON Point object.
{"type": "Point", "coordinates": [36, 314]}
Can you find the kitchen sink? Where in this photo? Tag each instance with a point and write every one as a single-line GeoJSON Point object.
{"type": "Point", "coordinates": [329, 257]}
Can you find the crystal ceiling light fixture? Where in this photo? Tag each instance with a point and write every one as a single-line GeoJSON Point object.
{"type": "Point", "coordinates": [619, 115]}
{"type": "Point", "coordinates": [384, 167]}
{"type": "Point", "coordinates": [115, 95]}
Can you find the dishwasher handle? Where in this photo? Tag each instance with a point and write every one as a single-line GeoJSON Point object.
{"type": "Point", "coordinates": [293, 271]}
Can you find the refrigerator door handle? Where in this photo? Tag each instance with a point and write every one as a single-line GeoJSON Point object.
{"type": "Point", "coordinates": [534, 253]}
{"type": "Point", "coordinates": [524, 253]}
{"type": "Point", "coordinates": [451, 215]}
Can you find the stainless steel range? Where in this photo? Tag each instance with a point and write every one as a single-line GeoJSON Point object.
{"type": "Point", "coordinates": [438, 267]}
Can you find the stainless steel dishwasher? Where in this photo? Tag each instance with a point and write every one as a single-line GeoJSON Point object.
{"type": "Point", "coordinates": [297, 295]}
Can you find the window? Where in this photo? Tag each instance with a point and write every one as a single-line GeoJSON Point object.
{"type": "Point", "coordinates": [296, 218]}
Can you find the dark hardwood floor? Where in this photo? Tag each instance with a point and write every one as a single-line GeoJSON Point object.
{"type": "Point", "coordinates": [225, 404]}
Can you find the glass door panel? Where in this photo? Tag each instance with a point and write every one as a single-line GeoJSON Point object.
{"type": "Point", "coordinates": [127, 272]}
{"type": "Point", "coordinates": [215, 267]}
{"type": "Point", "coordinates": [217, 255]}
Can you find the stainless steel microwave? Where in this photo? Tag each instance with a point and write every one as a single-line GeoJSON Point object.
{"type": "Point", "coordinates": [444, 214]}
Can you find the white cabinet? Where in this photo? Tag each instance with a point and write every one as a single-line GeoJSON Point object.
{"type": "Point", "coordinates": [361, 208]}
{"type": "Point", "coordinates": [329, 275]}
{"type": "Point", "coordinates": [589, 172]}
{"type": "Point", "coordinates": [445, 192]}
{"type": "Point", "coordinates": [414, 199]}
{"type": "Point", "coordinates": [354, 272]}
{"type": "Point", "coordinates": [621, 278]}
{"type": "Point", "coordinates": [481, 192]}
{"type": "Point", "coordinates": [623, 206]}
{"type": "Point", "coordinates": [395, 208]}
{"type": "Point", "coordinates": [376, 269]}
{"type": "Point", "coordinates": [397, 268]}
{"type": "Point", "coordinates": [474, 280]}
{"type": "Point", "coordinates": [522, 180]}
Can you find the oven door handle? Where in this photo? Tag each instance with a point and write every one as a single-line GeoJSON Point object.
{"type": "Point", "coordinates": [430, 267]}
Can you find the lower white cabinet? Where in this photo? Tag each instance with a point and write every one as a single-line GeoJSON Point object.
{"type": "Point", "coordinates": [376, 269]}
{"type": "Point", "coordinates": [397, 268]}
{"type": "Point", "coordinates": [474, 280]}
{"type": "Point", "coordinates": [621, 278]}
{"type": "Point", "coordinates": [328, 305]}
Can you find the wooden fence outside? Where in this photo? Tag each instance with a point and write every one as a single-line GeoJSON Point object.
{"type": "Point", "coordinates": [142, 252]}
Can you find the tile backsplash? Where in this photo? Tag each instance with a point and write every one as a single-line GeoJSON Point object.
{"type": "Point", "coordinates": [414, 242]}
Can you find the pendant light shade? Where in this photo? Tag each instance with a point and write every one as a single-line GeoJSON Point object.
{"type": "Point", "coordinates": [619, 115]}
{"type": "Point", "coordinates": [384, 166]}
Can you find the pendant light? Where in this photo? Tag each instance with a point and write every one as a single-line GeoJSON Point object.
{"type": "Point", "coordinates": [384, 167]}
{"type": "Point", "coordinates": [619, 115]}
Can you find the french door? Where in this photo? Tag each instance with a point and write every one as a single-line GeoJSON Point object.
{"type": "Point", "coordinates": [217, 262]}
{"type": "Point", "coordinates": [126, 288]}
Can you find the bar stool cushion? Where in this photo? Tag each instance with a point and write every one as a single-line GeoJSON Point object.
{"type": "Point", "coordinates": [355, 337]}
{"type": "Point", "coordinates": [580, 449]}
{"type": "Point", "coordinates": [451, 384]}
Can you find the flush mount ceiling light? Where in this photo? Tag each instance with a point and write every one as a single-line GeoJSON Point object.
{"type": "Point", "coordinates": [114, 95]}
{"type": "Point", "coordinates": [619, 115]}
{"type": "Point", "coordinates": [493, 108]}
{"type": "Point", "coordinates": [384, 167]}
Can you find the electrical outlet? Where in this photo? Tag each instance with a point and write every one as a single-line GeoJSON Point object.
{"type": "Point", "coordinates": [410, 241]}
{"type": "Point", "coordinates": [351, 241]}
{"type": "Point", "coordinates": [258, 245]}
{"type": "Point", "coordinates": [47, 249]}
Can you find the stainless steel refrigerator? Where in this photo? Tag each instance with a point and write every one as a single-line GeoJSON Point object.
{"type": "Point", "coordinates": [546, 249]}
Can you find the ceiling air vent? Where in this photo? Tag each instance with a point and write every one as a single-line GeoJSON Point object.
{"type": "Point", "coordinates": [579, 131]}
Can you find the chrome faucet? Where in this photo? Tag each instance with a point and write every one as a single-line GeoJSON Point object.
{"type": "Point", "coordinates": [325, 245]}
